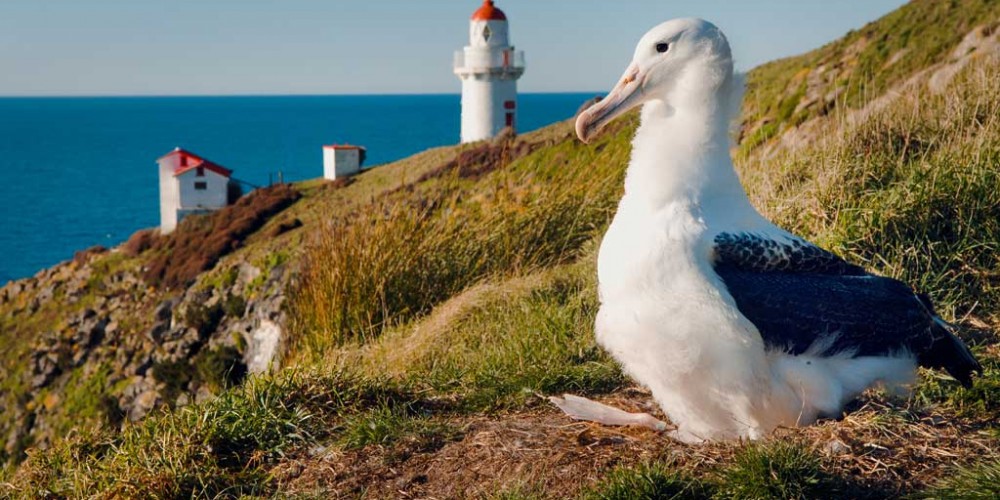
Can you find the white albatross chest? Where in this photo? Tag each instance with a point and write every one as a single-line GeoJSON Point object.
{"type": "Point", "coordinates": [662, 316]}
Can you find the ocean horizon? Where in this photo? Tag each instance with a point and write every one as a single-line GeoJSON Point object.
{"type": "Point", "coordinates": [81, 171]}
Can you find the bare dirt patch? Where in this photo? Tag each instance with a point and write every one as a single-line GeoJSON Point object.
{"type": "Point", "coordinates": [879, 450]}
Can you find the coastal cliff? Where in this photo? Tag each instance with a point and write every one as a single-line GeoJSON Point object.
{"type": "Point", "coordinates": [114, 334]}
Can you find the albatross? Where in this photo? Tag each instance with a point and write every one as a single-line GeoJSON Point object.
{"type": "Point", "coordinates": [735, 325]}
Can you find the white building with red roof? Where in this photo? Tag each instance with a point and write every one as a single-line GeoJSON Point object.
{"type": "Point", "coordinates": [489, 68]}
{"type": "Point", "coordinates": [190, 184]}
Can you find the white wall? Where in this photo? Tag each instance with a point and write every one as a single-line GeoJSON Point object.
{"type": "Point", "coordinates": [483, 112]}
{"type": "Point", "coordinates": [499, 34]}
{"type": "Point", "coordinates": [169, 196]}
{"type": "Point", "coordinates": [341, 162]}
{"type": "Point", "coordinates": [214, 196]}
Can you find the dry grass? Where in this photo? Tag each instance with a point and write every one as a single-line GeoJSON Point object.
{"type": "Point", "coordinates": [139, 242]}
{"type": "Point", "coordinates": [884, 451]}
{"type": "Point", "coordinates": [416, 247]}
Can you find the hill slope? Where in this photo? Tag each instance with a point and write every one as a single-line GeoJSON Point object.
{"type": "Point", "coordinates": [417, 313]}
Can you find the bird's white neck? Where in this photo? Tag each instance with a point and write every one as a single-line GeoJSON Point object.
{"type": "Point", "coordinates": [680, 153]}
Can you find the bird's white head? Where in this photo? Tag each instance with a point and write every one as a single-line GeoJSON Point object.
{"type": "Point", "coordinates": [683, 54]}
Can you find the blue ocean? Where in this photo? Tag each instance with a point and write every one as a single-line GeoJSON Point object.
{"type": "Point", "coordinates": [79, 172]}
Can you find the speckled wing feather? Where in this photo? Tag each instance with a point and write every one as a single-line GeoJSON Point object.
{"type": "Point", "coordinates": [804, 299]}
{"type": "Point", "coordinates": [758, 253]}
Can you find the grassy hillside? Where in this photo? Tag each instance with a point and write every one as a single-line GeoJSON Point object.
{"type": "Point", "coordinates": [437, 300]}
{"type": "Point", "coordinates": [862, 66]}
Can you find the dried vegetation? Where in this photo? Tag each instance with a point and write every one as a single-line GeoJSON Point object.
{"type": "Point", "coordinates": [199, 241]}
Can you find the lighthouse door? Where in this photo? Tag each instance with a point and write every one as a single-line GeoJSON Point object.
{"type": "Point", "coordinates": [510, 119]}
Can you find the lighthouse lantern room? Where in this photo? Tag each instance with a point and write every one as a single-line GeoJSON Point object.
{"type": "Point", "coordinates": [489, 68]}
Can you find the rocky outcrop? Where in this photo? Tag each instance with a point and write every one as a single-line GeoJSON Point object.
{"type": "Point", "coordinates": [143, 348]}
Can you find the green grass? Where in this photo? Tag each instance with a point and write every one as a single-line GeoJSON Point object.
{"type": "Point", "coordinates": [969, 483]}
{"type": "Point", "coordinates": [201, 451]}
{"type": "Point", "coordinates": [649, 481]}
{"type": "Point", "coordinates": [927, 30]}
{"type": "Point", "coordinates": [396, 260]}
{"type": "Point", "coordinates": [386, 426]}
{"type": "Point", "coordinates": [982, 400]}
{"type": "Point", "coordinates": [518, 491]}
{"type": "Point", "coordinates": [219, 448]}
{"type": "Point", "coordinates": [774, 470]}
{"type": "Point", "coordinates": [489, 350]}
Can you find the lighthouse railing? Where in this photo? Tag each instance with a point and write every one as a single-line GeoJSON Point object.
{"type": "Point", "coordinates": [471, 60]}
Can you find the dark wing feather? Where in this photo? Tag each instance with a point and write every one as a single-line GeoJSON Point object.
{"type": "Point", "coordinates": [753, 252]}
{"type": "Point", "coordinates": [863, 315]}
{"type": "Point", "coordinates": [800, 296]}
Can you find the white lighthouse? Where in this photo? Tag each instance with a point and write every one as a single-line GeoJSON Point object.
{"type": "Point", "coordinates": [489, 68]}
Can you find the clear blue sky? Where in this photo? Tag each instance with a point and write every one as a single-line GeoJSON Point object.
{"type": "Point", "coordinates": [161, 47]}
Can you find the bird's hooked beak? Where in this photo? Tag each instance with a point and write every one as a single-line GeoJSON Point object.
{"type": "Point", "coordinates": [625, 96]}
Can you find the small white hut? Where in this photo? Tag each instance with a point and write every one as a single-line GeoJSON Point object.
{"type": "Point", "coordinates": [190, 184]}
{"type": "Point", "coordinates": [342, 160]}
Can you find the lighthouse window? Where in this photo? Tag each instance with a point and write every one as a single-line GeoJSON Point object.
{"type": "Point", "coordinates": [486, 34]}
{"type": "Point", "coordinates": [201, 186]}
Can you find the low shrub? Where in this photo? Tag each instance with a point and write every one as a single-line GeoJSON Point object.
{"type": "Point", "coordinates": [201, 240]}
{"type": "Point", "coordinates": [203, 318]}
{"type": "Point", "coordinates": [219, 368]}
{"type": "Point", "coordinates": [83, 256]}
{"type": "Point", "coordinates": [140, 241]}
{"type": "Point", "coordinates": [234, 306]}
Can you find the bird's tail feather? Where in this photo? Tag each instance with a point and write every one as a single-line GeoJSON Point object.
{"type": "Point", "coordinates": [950, 353]}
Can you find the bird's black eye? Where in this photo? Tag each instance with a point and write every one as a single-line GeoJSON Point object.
{"type": "Point", "coordinates": [662, 47]}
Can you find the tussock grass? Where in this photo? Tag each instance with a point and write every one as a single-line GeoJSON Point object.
{"type": "Point", "coordinates": [498, 344]}
{"type": "Point", "coordinates": [649, 481]}
{"type": "Point", "coordinates": [774, 470]}
{"type": "Point", "coordinates": [221, 448]}
{"type": "Point", "coordinates": [969, 483]}
{"type": "Point", "coordinates": [414, 249]}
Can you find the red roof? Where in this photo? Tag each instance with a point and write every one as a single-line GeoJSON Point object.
{"type": "Point", "coordinates": [342, 146]}
{"type": "Point", "coordinates": [194, 161]}
{"type": "Point", "coordinates": [488, 13]}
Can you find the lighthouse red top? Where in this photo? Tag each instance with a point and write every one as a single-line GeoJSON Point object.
{"type": "Point", "coordinates": [488, 12]}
